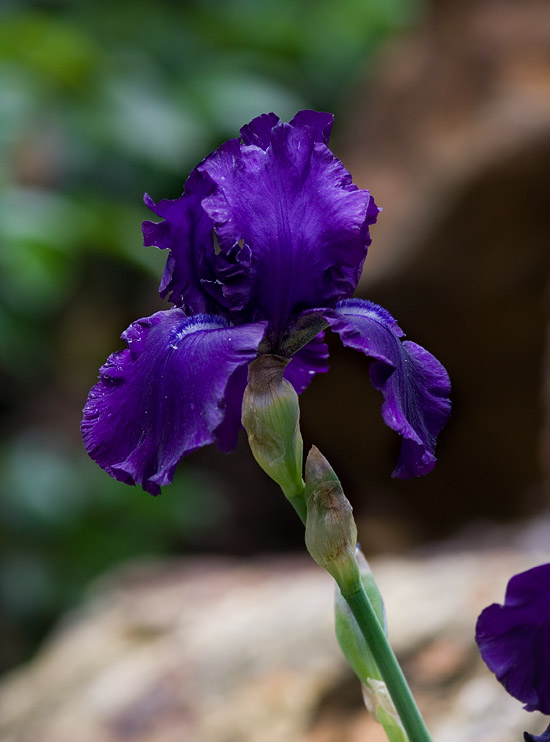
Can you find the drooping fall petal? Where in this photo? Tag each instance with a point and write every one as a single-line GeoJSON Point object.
{"type": "Point", "coordinates": [310, 360]}
{"type": "Point", "coordinates": [414, 384]}
{"type": "Point", "coordinates": [175, 388]}
{"type": "Point", "coordinates": [514, 638]}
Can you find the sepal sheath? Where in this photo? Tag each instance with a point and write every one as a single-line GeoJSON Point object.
{"type": "Point", "coordinates": [331, 533]}
{"type": "Point", "coordinates": [352, 642]}
{"type": "Point", "coordinates": [358, 653]}
{"type": "Point", "coordinates": [271, 417]}
{"type": "Point", "coordinates": [380, 705]}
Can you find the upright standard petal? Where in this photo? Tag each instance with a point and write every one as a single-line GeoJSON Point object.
{"type": "Point", "coordinates": [319, 121]}
{"type": "Point", "coordinates": [514, 638]}
{"type": "Point", "coordinates": [174, 389]}
{"type": "Point", "coordinates": [199, 277]}
{"type": "Point", "coordinates": [186, 233]}
{"type": "Point", "coordinates": [415, 385]}
{"type": "Point", "coordinates": [258, 131]}
{"type": "Point", "coordinates": [293, 205]}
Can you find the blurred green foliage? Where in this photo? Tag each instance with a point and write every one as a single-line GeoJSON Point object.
{"type": "Point", "coordinates": [64, 522]}
{"type": "Point", "coordinates": [98, 102]}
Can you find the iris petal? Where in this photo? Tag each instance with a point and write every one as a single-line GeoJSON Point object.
{"type": "Point", "coordinates": [292, 203]}
{"type": "Point", "coordinates": [310, 360]}
{"type": "Point", "coordinates": [514, 638]}
{"type": "Point", "coordinates": [258, 131]}
{"type": "Point", "coordinates": [414, 384]}
{"type": "Point", "coordinates": [320, 122]}
{"type": "Point", "coordinates": [176, 387]}
{"type": "Point", "coordinates": [544, 737]}
{"type": "Point", "coordinates": [186, 233]}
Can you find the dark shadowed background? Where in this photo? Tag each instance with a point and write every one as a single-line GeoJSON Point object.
{"type": "Point", "coordinates": [442, 111]}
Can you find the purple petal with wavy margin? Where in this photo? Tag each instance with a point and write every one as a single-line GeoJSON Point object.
{"type": "Point", "coordinates": [258, 131]}
{"type": "Point", "coordinates": [544, 737]}
{"type": "Point", "coordinates": [176, 387]}
{"type": "Point", "coordinates": [186, 233]}
{"type": "Point", "coordinates": [319, 121]}
{"type": "Point", "coordinates": [295, 207]}
{"type": "Point", "coordinates": [414, 384]}
{"type": "Point", "coordinates": [514, 638]}
{"type": "Point", "coordinates": [310, 360]}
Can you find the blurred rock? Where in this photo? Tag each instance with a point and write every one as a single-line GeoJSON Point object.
{"type": "Point", "coordinates": [214, 650]}
{"type": "Point", "coordinates": [451, 132]}
{"type": "Point", "coordinates": [447, 108]}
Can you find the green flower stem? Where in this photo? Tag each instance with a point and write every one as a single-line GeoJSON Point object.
{"type": "Point", "coordinates": [297, 499]}
{"type": "Point", "coordinates": [386, 661]}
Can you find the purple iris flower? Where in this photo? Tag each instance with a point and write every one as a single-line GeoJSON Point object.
{"type": "Point", "coordinates": [544, 737]}
{"type": "Point", "coordinates": [514, 639]}
{"type": "Point", "coordinates": [265, 249]}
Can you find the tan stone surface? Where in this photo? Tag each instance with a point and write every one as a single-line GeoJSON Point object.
{"type": "Point", "coordinates": [226, 651]}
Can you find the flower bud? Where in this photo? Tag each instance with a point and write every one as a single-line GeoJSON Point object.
{"type": "Point", "coordinates": [271, 415]}
{"type": "Point", "coordinates": [331, 533]}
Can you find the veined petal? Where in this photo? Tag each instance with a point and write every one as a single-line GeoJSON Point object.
{"type": "Point", "coordinates": [198, 276]}
{"type": "Point", "coordinates": [544, 737]}
{"type": "Point", "coordinates": [174, 389]}
{"type": "Point", "coordinates": [415, 385]}
{"type": "Point", "coordinates": [293, 205]}
{"type": "Point", "coordinates": [514, 638]}
{"type": "Point", "coordinates": [319, 121]}
{"type": "Point", "coordinates": [258, 131]}
{"type": "Point", "coordinates": [310, 360]}
{"type": "Point", "coordinates": [186, 233]}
